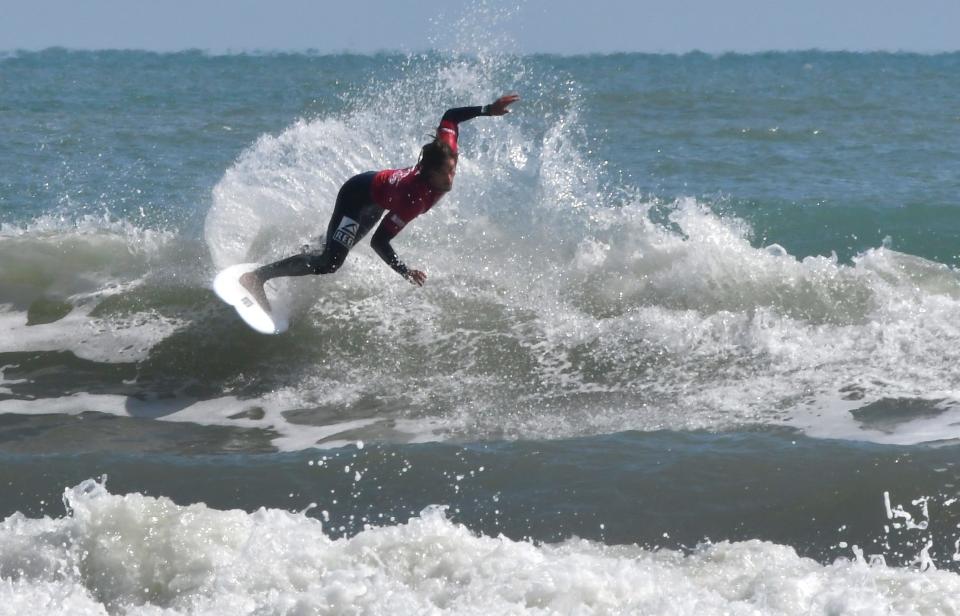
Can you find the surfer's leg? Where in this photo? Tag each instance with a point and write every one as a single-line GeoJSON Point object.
{"type": "Point", "coordinates": [349, 223]}
{"type": "Point", "coordinates": [346, 227]}
{"type": "Point", "coordinates": [342, 236]}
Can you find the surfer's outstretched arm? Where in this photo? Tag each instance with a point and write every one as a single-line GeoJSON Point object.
{"type": "Point", "coordinates": [448, 130]}
{"type": "Point", "coordinates": [497, 108]}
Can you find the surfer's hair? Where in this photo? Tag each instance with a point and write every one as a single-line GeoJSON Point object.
{"type": "Point", "coordinates": [433, 155]}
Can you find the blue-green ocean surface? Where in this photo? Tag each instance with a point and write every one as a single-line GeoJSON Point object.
{"type": "Point", "coordinates": [688, 343]}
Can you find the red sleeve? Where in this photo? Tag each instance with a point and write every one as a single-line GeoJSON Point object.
{"type": "Point", "coordinates": [448, 132]}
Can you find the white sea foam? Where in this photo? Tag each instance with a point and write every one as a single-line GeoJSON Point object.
{"type": "Point", "coordinates": [104, 340]}
{"type": "Point", "coordinates": [132, 554]}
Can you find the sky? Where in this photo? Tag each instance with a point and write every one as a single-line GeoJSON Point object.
{"type": "Point", "coordinates": [520, 26]}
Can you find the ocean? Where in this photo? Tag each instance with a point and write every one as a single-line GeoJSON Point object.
{"type": "Point", "coordinates": [688, 344]}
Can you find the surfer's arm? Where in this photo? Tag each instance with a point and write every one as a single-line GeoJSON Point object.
{"type": "Point", "coordinates": [449, 129]}
{"type": "Point", "coordinates": [381, 245]}
{"type": "Point", "coordinates": [454, 116]}
{"type": "Point", "coordinates": [496, 108]}
{"type": "Point", "coordinates": [461, 114]}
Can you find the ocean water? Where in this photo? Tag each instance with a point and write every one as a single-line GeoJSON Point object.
{"type": "Point", "coordinates": [688, 343]}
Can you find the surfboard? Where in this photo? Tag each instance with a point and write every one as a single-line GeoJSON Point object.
{"type": "Point", "coordinates": [227, 286]}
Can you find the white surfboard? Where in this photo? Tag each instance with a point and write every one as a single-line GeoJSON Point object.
{"type": "Point", "coordinates": [227, 286]}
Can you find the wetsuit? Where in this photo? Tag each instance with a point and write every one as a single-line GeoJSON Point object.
{"type": "Point", "coordinates": [360, 204]}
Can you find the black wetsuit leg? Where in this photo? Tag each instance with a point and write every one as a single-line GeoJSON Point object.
{"type": "Point", "coordinates": [354, 215]}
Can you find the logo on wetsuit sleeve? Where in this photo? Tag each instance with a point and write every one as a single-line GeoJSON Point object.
{"type": "Point", "coordinates": [397, 221]}
{"type": "Point", "coordinates": [346, 233]}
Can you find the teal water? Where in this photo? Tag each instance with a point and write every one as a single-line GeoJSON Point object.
{"type": "Point", "coordinates": [673, 300]}
{"type": "Point", "coordinates": [848, 148]}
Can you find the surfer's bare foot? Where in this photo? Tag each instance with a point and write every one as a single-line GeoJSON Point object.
{"type": "Point", "coordinates": [252, 283]}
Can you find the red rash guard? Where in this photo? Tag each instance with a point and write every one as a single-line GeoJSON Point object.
{"type": "Point", "coordinates": [404, 192]}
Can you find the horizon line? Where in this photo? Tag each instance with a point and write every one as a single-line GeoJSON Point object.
{"type": "Point", "coordinates": [253, 51]}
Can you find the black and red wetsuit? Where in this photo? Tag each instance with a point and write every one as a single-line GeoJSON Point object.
{"type": "Point", "coordinates": [361, 202]}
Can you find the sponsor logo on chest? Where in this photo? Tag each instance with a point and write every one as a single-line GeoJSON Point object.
{"type": "Point", "coordinates": [397, 176]}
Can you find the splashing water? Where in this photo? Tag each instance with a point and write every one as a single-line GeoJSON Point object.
{"type": "Point", "coordinates": [565, 305]}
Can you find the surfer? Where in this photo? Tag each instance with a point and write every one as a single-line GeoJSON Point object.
{"type": "Point", "coordinates": [363, 199]}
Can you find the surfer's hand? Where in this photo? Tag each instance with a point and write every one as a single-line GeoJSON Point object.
{"type": "Point", "coordinates": [417, 277]}
{"type": "Point", "coordinates": [499, 106]}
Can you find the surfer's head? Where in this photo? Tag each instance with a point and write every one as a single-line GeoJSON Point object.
{"type": "Point", "coordinates": [438, 164]}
